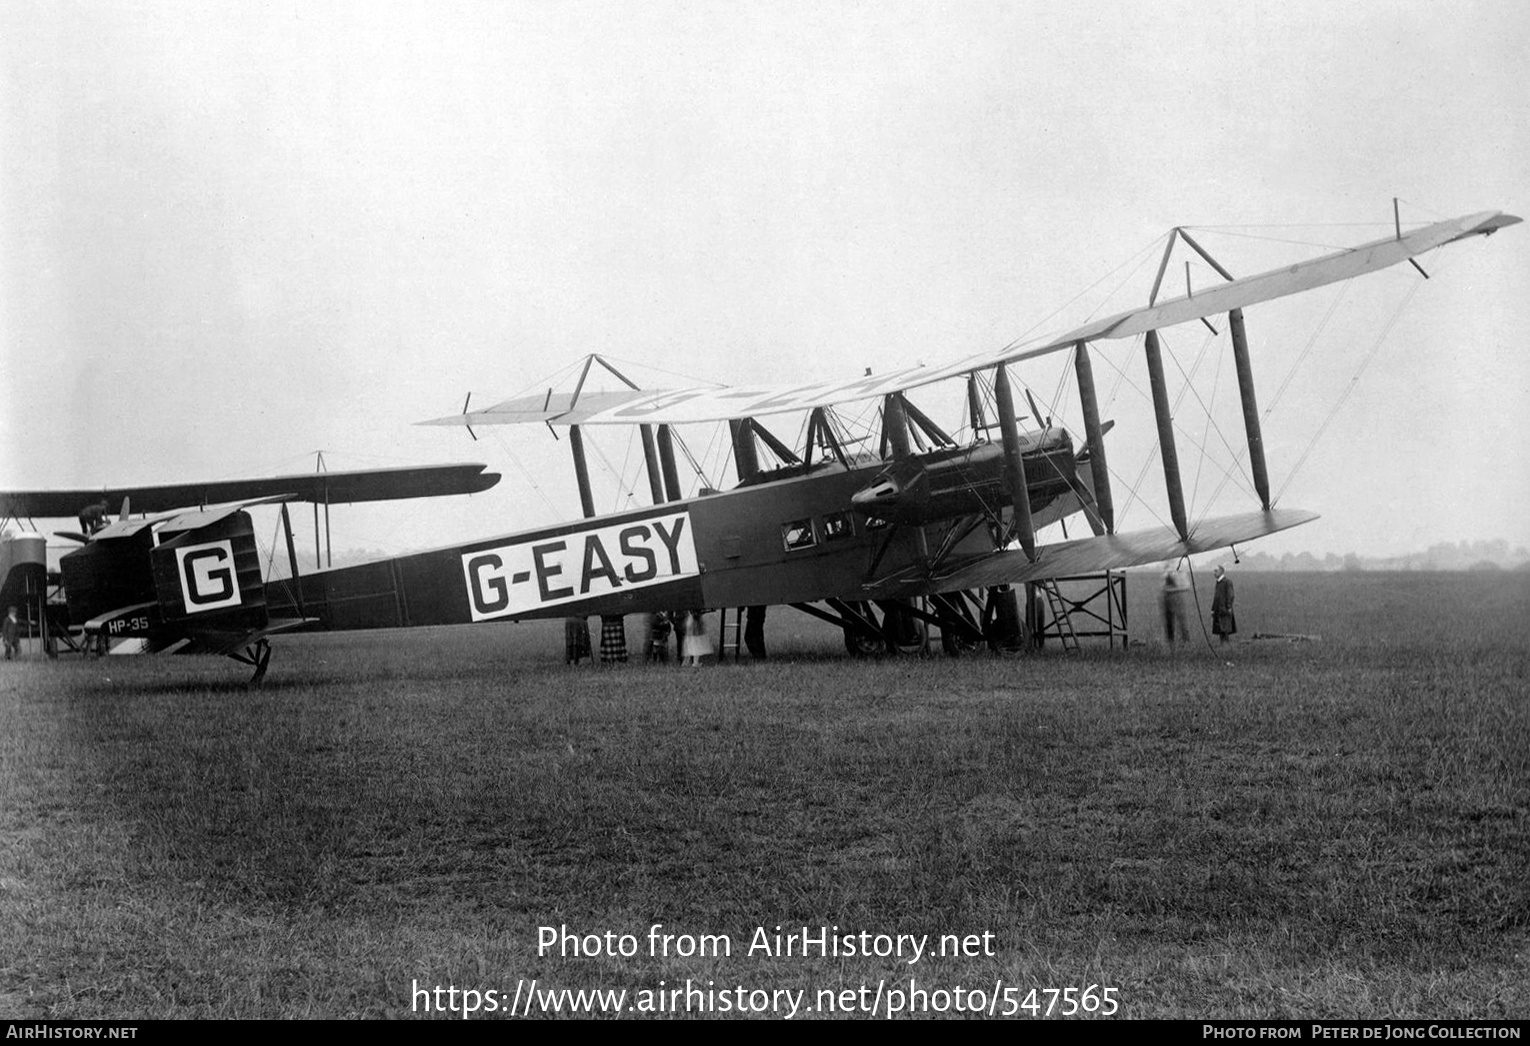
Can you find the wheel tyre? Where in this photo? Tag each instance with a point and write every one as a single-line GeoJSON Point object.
{"type": "Point", "coordinates": [955, 644]}
{"type": "Point", "coordinates": [859, 644]}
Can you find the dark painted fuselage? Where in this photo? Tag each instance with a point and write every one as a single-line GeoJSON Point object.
{"type": "Point", "coordinates": [788, 540]}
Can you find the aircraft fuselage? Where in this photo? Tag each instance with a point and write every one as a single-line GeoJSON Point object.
{"type": "Point", "coordinates": [789, 540]}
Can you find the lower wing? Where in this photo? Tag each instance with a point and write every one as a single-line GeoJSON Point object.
{"type": "Point", "coordinates": [1091, 555]}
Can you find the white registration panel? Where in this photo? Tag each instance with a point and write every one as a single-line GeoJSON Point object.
{"type": "Point", "coordinates": [533, 574]}
{"type": "Point", "coordinates": [208, 577]}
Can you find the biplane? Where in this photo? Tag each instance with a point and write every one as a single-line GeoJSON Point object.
{"type": "Point", "coordinates": [184, 573]}
{"type": "Point", "coordinates": [923, 530]}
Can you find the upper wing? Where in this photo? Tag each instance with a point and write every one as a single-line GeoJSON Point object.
{"type": "Point", "coordinates": [1093, 555]}
{"type": "Point", "coordinates": [334, 488]}
{"type": "Point", "coordinates": [680, 406]}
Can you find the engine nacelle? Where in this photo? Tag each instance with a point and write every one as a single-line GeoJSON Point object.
{"type": "Point", "coordinates": [945, 484]}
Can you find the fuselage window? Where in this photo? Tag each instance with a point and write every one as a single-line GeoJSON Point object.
{"type": "Point", "coordinates": [836, 526]}
{"type": "Point", "coordinates": [798, 534]}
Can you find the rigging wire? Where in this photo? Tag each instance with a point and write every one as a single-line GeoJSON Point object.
{"type": "Point", "coordinates": [1205, 409]}
{"type": "Point", "coordinates": [1200, 465]}
{"type": "Point", "coordinates": [1140, 256]}
{"type": "Point", "coordinates": [550, 381]}
{"type": "Point", "coordinates": [1442, 262]}
{"type": "Point", "coordinates": [1280, 391]}
{"type": "Point", "coordinates": [1333, 307]}
{"type": "Point", "coordinates": [516, 461]}
{"type": "Point", "coordinates": [691, 458]}
{"type": "Point", "coordinates": [661, 370]}
{"type": "Point", "coordinates": [1296, 225]}
{"type": "Point", "coordinates": [1134, 489]}
{"type": "Point", "coordinates": [622, 478]}
{"type": "Point", "coordinates": [622, 486]}
{"type": "Point", "coordinates": [270, 550]}
{"type": "Point", "coordinates": [1348, 389]}
{"type": "Point", "coordinates": [707, 470]}
{"type": "Point", "coordinates": [1280, 239]}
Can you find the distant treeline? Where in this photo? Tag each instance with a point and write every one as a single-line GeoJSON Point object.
{"type": "Point", "coordinates": [1466, 555]}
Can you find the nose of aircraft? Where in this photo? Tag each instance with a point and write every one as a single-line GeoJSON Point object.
{"type": "Point", "coordinates": [881, 491]}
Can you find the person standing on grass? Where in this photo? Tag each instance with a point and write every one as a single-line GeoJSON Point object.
{"type": "Point", "coordinates": [11, 629]}
{"type": "Point", "coordinates": [656, 648]}
{"type": "Point", "coordinates": [1173, 596]}
{"type": "Point", "coordinates": [754, 631]}
{"type": "Point", "coordinates": [1223, 623]}
{"type": "Point", "coordinates": [697, 644]}
{"type": "Point", "coordinates": [576, 640]}
{"type": "Point", "coordinates": [613, 639]}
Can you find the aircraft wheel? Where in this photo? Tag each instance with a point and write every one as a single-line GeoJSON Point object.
{"type": "Point", "coordinates": [913, 641]}
{"type": "Point", "coordinates": [859, 644]}
{"type": "Point", "coordinates": [904, 633]}
{"type": "Point", "coordinates": [956, 644]}
{"type": "Point", "coordinates": [1006, 648]}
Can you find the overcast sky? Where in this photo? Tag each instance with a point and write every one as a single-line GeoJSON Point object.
{"type": "Point", "coordinates": [231, 235]}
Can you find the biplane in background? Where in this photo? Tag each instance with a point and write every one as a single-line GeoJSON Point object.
{"type": "Point", "coordinates": [923, 530]}
{"type": "Point", "coordinates": [185, 573]}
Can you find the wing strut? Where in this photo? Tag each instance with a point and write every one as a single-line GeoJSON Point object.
{"type": "Point", "coordinates": [779, 449]}
{"type": "Point", "coordinates": [895, 427]}
{"type": "Point", "coordinates": [746, 457]}
{"type": "Point", "coordinates": [581, 471]}
{"type": "Point", "coordinates": [292, 561]}
{"type": "Point", "coordinates": [1104, 504]}
{"type": "Point", "coordinates": [1166, 449]}
{"type": "Point", "coordinates": [922, 420]}
{"type": "Point", "coordinates": [651, 464]}
{"type": "Point", "coordinates": [1250, 407]}
{"type": "Point", "coordinates": [667, 463]}
{"type": "Point", "coordinates": [1250, 404]}
{"type": "Point", "coordinates": [1246, 374]}
{"type": "Point", "coordinates": [1163, 265]}
{"type": "Point", "coordinates": [975, 407]}
{"type": "Point", "coordinates": [1014, 464]}
{"type": "Point", "coordinates": [821, 434]}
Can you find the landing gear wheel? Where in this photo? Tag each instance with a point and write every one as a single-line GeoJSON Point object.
{"type": "Point", "coordinates": [257, 654]}
{"type": "Point", "coordinates": [861, 644]}
{"type": "Point", "coordinates": [1007, 647]}
{"type": "Point", "coordinates": [914, 642]}
{"type": "Point", "coordinates": [904, 633]}
{"type": "Point", "coordinates": [958, 644]}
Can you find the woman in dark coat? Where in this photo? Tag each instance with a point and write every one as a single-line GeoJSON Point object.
{"type": "Point", "coordinates": [1223, 623]}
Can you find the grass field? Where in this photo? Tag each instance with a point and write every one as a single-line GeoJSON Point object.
{"type": "Point", "coordinates": [1337, 828]}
